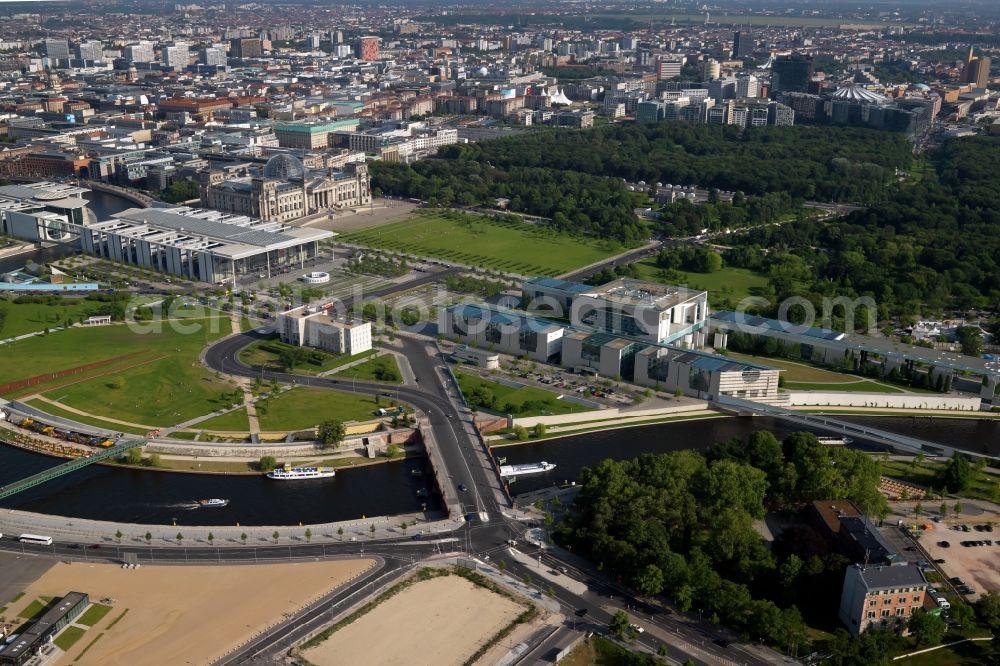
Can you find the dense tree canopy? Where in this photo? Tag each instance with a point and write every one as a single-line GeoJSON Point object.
{"type": "Point", "coordinates": [823, 163]}
{"type": "Point", "coordinates": [681, 524]}
{"type": "Point", "coordinates": [932, 246]}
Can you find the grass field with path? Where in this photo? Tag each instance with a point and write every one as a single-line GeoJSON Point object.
{"type": "Point", "coordinates": [255, 355]}
{"type": "Point", "coordinates": [382, 368]}
{"type": "Point", "coordinates": [31, 317]}
{"type": "Point", "coordinates": [985, 486]}
{"type": "Point", "coordinates": [302, 408]}
{"type": "Point", "coordinates": [514, 247]}
{"type": "Point", "coordinates": [234, 421]}
{"type": "Point", "coordinates": [49, 408]}
{"type": "Point", "coordinates": [518, 396]}
{"type": "Point", "coordinates": [729, 284]}
{"type": "Point", "coordinates": [162, 384]}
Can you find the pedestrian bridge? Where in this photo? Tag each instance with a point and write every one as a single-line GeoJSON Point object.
{"type": "Point", "coordinates": [69, 466]}
{"type": "Point", "coordinates": [845, 428]}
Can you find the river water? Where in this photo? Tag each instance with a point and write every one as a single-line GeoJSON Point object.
{"type": "Point", "coordinates": [129, 495]}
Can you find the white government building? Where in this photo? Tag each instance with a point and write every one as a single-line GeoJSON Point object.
{"type": "Point", "coordinates": [314, 326]}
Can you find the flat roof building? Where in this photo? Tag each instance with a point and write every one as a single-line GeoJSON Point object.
{"type": "Point", "coordinates": [822, 345]}
{"type": "Point", "coordinates": [646, 311]}
{"type": "Point", "coordinates": [707, 376]}
{"type": "Point", "coordinates": [497, 329]}
{"type": "Point", "coordinates": [203, 245]}
{"type": "Point", "coordinates": [42, 211]}
{"type": "Point", "coordinates": [311, 135]}
{"type": "Point", "coordinates": [41, 631]}
{"type": "Point", "coordinates": [315, 326]}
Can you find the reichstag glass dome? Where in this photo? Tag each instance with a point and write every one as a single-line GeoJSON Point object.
{"type": "Point", "coordinates": [284, 167]}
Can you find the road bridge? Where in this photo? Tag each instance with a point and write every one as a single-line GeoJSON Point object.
{"type": "Point", "coordinates": [846, 428]}
{"type": "Point", "coordinates": [69, 466]}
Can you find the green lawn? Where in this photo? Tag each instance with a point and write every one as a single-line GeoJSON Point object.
{"type": "Point", "coordinates": [73, 348]}
{"type": "Point", "coordinates": [68, 638]}
{"type": "Point", "coordinates": [302, 408]}
{"type": "Point", "coordinates": [381, 368]}
{"type": "Point", "coordinates": [862, 386]}
{"type": "Point", "coordinates": [32, 610]}
{"type": "Point", "coordinates": [167, 383]}
{"type": "Point", "coordinates": [985, 486]}
{"type": "Point", "coordinates": [255, 355]}
{"type": "Point", "coordinates": [793, 371]}
{"type": "Point", "coordinates": [49, 408]}
{"type": "Point", "coordinates": [30, 317]}
{"type": "Point", "coordinates": [169, 390]}
{"type": "Point", "coordinates": [234, 421]}
{"type": "Point", "coordinates": [515, 247]}
{"type": "Point", "coordinates": [93, 614]}
{"type": "Point", "coordinates": [545, 402]}
{"type": "Point", "coordinates": [725, 287]}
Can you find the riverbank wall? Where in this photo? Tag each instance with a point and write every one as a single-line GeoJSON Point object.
{"type": "Point", "coordinates": [579, 418]}
{"type": "Point", "coordinates": [884, 400]}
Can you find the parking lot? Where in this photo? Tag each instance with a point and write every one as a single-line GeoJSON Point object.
{"type": "Point", "coordinates": [978, 566]}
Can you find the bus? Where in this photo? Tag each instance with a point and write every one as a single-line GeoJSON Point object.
{"type": "Point", "coordinates": [34, 538]}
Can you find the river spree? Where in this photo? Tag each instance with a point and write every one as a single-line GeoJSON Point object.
{"type": "Point", "coordinates": [131, 495]}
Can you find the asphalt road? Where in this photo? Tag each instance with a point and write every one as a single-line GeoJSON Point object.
{"type": "Point", "coordinates": [466, 465]}
{"type": "Point", "coordinates": [484, 535]}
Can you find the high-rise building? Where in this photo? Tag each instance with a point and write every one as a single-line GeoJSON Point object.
{"type": "Point", "coordinates": [368, 48]}
{"type": "Point", "coordinates": [214, 55]}
{"type": "Point", "coordinates": [791, 74]}
{"type": "Point", "coordinates": [710, 69]}
{"type": "Point", "coordinates": [177, 57]}
{"type": "Point", "coordinates": [245, 47]}
{"type": "Point", "coordinates": [668, 69]}
{"type": "Point", "coordinates": [141, 52]}
{"type": "Point", "coordinates": [743, 44]}
{"type": "Point", "coordinates": [90, 52]}
{"type": "Point", "coordinates": [977, 71]}
{"type": "Point", "coordinates": [314, 40]}
{"type": "Point", "coordinates": [747, 86]}
{"type": "Point", "coordinates": [57, 51]}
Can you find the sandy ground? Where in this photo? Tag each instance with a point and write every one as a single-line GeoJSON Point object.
{"type": "Point", "coordinates": [976, 565]}
{"type": "Point", "coordinates": [187, 615]}
{"type": "Point", "coordinates": [434, 623]}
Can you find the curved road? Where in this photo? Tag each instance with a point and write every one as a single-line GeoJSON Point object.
{"type": "Point", "coordinates": [484, 535]}
{"type": "Point", "coordinates": [467, 465]}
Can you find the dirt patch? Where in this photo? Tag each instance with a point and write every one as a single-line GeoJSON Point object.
{"type": "Point", "coordinates": [187, 615]}
{"type": "Point", "coordinates": [434, 622]}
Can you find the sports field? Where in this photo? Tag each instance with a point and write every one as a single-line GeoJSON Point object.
{"type": "Point", "coordinates": [513, 247]}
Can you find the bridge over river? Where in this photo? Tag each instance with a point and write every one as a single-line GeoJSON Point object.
{"type": "Point", "coordinates": [845, 428]}
{"type": "Point", "coordinates": [69, 466]}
